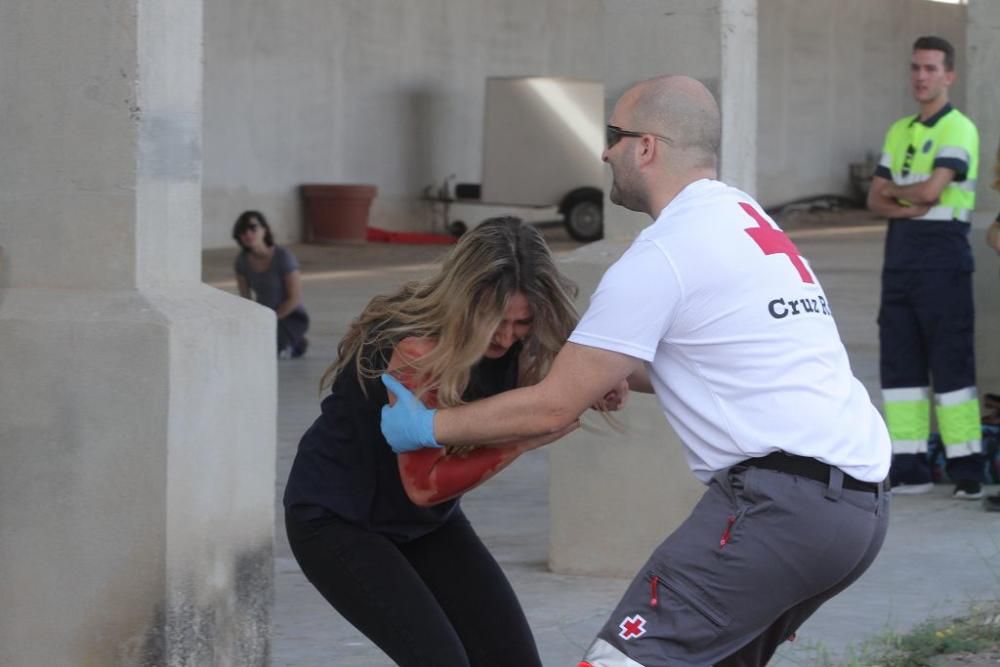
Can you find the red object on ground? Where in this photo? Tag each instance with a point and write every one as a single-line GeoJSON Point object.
{"type": "Point", "coordinates": [415, 238]}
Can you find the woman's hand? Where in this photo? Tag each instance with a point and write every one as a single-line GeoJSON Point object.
{"type": "Point", "coordinates": [407, 424]}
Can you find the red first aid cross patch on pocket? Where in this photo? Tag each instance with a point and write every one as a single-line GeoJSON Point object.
{"type": "Point", "coordinates": [632, 627]}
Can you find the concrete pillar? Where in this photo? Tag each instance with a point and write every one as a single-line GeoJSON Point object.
{"type": "Point", "coordinates": [982, 58]}
{"type": "Point", "coordinates": [738, 93]}
{"type": "Point", "coordinates": [616, 495]}
{"type": "Point", "coordinates": [715, 41]}
{"type": "Point", "coordinates": [137, 406]}
{"type": "Point", "coordinates": [986, 295]}
{"type": "Point", "coordinates": [982, 95]}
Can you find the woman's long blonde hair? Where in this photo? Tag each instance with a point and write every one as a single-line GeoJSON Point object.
{"type": "Point", "coordinates": [461, 306]}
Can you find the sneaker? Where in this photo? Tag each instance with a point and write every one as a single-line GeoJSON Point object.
{"type": "Point", "coordinates": [968, 490]}
{"type": "Point", "coordinates": [301, 348]}
{"type": "Point", "coordinates": [912, 489]}
{"type": "Point", "coordinates": [910, 475]}
{"type": "Point", "coordinates": [285, 353]}
{"type": "Point", "coordinates": [992, 503]}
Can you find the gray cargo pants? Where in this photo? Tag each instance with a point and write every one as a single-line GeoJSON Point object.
{"type": "Point", "coordinates": [759, 554]}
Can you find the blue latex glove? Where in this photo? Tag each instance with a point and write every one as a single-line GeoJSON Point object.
{"type": "Point", "coordinates": [409, 424]}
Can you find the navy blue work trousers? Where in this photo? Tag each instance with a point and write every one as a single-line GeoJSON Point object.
{"type": "Point", "coordinates": [926, 329]}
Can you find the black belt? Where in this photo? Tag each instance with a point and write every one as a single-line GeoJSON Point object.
{"type": "Point", "coordinates": [809, 468]}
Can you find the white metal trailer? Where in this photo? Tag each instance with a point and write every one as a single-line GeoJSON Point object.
{"type": "Point", "coordinates": [542, 144]}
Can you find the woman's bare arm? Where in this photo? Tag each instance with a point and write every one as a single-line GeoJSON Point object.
{"type": "Point", "coordinates": [433, 475]}
{"type": "Point", "coordinates": [293, 288]}
{"type": "Point", "coordinates": [243, 286]}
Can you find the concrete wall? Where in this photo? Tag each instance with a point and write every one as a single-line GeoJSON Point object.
{"type": "Point", "coordinates": [738, 43]}
{"type": "Point", "coordinates": [986, 287]}
{"type": "Point", "coordinates": [136, 511]}
{"type": "Point", "coordinates": [983, 51]}
{"type": "Point", "coordinates": [636, 483]}
{"type": "Point", "coordinates": [833, 76]}
{"type": "Point", "coordinates": [661, 27]}
{"type": "Point", "coordinates": [137, 406]}
{"type": "Point", "coordinates": [615, 494]}
{"type": "Point", "coordinates": [391, 93]}
{"type": "Point", "coordinates": [367, 91]}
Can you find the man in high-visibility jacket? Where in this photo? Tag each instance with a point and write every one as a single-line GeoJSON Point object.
{"type": "Point", "coordinates": [925, 184]}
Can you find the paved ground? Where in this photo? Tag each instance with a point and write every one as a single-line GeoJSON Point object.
{"type": "Point", "coordinates": [940, 554]}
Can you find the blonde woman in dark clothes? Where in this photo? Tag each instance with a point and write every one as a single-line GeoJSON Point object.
{"type": "Point", "coordinates": [383, 537]}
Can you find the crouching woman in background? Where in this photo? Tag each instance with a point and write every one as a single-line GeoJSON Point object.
{"type": "Point", "coordinates": [269, 274]}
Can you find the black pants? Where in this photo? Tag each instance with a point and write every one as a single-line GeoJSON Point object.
{"type": "Point", "coordinates": [292, 330]}
{"type": "Point", "coordinates": [438, 601]}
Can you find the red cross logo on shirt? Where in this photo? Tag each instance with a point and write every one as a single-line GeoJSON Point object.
{"type": "Point", "coordinates": [632, 627]}
{"type": "Point", "coordinates": [774, 242]}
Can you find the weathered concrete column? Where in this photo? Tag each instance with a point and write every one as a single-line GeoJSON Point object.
{"type": "Point", "coordinates": [715, 41]}
{"type": "Point", "coordinates": [738, 93]}
{"type": "Point", "coordinates": [983, 101]}
{"type": "Point", "coordinates": [614, 496]}
{"type": "Point", "coordinates": [982, 94]}
{"type": "Point", "coordinates": [986, 295]}
{"type": "Point", "coordinates": [137, 406]}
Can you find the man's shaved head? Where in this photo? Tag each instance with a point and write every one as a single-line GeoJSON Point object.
{"type": "Point", "coordinates": [670, 136]}
{"type": "Point", "coordinates": [682, 109]}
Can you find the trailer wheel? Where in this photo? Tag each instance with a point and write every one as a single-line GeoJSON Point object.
{"type": "Point", "coordinates": [583, 215]}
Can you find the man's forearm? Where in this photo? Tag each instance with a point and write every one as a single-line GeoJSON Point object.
{"type": "Point", "coordinates": [917, 193]}
{"type": "Point", "coordinates": [513, 415]}
{"type": "Point", "coordinates": [925, 193]}
{"type": "Point", "coordinates": [580, 376]}
{"type": "Point", "coordinates": [890, 208]}
{"type": "Point", "coordinates": [885, 208]}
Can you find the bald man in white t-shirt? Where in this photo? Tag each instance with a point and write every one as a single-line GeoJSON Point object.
{"type": "Point", "coordinates": [714, 310]}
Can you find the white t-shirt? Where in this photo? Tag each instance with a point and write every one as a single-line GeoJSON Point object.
{"type": "Point", "coordinates": [739, 339]}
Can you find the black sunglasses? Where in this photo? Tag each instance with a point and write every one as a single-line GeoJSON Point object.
{"type": "Point", "coordinates": [613, 134]}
